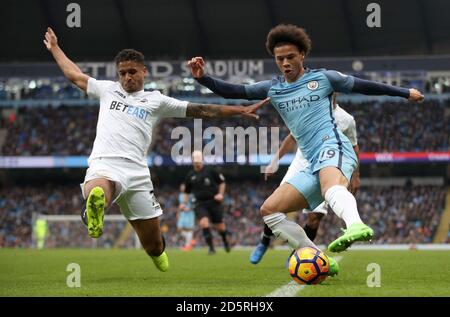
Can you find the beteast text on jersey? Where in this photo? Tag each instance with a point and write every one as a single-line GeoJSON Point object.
{"type": "Point", "coordinates": [132, 110]}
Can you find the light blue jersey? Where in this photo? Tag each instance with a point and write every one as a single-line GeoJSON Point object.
{"type": "Point", "coordinates": [186, 219]}
{"type": "Point", "coordinates": [306, 108]}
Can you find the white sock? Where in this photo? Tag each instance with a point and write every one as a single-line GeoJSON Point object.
{"type": "Point", "coordinates": [185, 235]}
{"type": "Point", "coordinates": [189, 235]}
{"type": "Point", "coordinates": [288, 231]}
{"type": "Point", "coordinates": [343, 204]}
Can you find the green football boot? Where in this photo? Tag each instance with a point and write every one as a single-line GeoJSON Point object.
{"type": "Point", "coordinates": [161, 262]}
{"type": "Point", "coordinates": [95, 211]}
{"type": "Point", "coordinates": [356, 232]}
{"type": "Point", "coordinates": [334, 267]}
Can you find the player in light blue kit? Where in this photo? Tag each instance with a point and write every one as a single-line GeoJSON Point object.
{"type": "Point", "coordinates": [303, 99]}
{"type": "Point", "coordinates": [186, 219]}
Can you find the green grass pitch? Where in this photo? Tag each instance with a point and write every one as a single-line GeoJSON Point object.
{"type": "Point", "coordinates": [131, 273]}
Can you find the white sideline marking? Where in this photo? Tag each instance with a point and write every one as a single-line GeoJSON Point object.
{"type": "Point", "coordinates": [288, 290]}
{"type": "Point", "coordinates": [292, 288]}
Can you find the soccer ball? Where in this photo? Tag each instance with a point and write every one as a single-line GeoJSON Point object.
{"type": "Point", "coordinates": [309, 266]}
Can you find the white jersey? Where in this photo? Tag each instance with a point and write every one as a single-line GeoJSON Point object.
{"type": "Point", "coordinates": [126, 121]}
{"type": "Point", "coordinates": [344, 121]}
{"type": "Point", "coordinates": [299, 163]}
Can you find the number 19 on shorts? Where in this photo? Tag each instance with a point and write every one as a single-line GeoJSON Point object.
{"type": "Point", "coordinates": [326, 154]}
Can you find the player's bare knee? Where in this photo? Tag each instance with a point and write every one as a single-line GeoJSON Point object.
{"type": "Point", "coordinates": [109, 190]}
{"type": "Point", "coordinates": [219, 227]}
{"type": "Point", "coordinates": [266, 209]}
{"type": "Point", "coordinates": [107, 186]}
{"type": "Point", "coordinates": [204, 223]}
{"type": "Point", "coordinates": [324, 188]}
{"type": "Point", "coordinates": [330, 177]}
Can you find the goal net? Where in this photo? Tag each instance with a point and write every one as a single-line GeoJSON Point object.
{"type": "Point", "coordinates": [67, 231]}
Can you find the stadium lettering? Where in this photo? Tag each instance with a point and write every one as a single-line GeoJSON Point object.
{"type": "Point", "coordinates": [162, 69]}
{"type": "Point", "coordinates": [193, 307]}
{"type": "Point", "coordinates": [234, 68]}
{"type": "Point", "coordinates": [228, 68]}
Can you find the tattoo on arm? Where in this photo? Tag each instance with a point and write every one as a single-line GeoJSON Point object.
{"type": "Point", "coordinates": [196, 110]}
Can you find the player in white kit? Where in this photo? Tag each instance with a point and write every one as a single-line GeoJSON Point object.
{"type": "Point", "coordinates": [346, 123]}
{"type": "Point", "coordinates": [118, 170]}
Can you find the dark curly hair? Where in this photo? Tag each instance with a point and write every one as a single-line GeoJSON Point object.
{"type": "Point", "coordinates": [288, 34]}
{"type": "Point", "coordinates": [129, 54]}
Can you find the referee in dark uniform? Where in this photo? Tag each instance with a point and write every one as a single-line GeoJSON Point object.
{"type": "Point", "coordinates": [208, 188]}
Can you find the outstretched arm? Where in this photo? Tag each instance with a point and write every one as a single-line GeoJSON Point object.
{"type": "Point", "coordinates": [221, 111]}
{"type": "Point", "coordinates": [69, 68]}
{"type": "Point", "coordinates": [348, 84]}
{"type": "Point", "coordinates": [222, 88]}
{"type": "Point", "coordinates": [368, 87]}
{"type": "Point", "coordinates": [256, 91]}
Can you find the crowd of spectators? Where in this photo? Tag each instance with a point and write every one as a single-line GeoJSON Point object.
{"type": "Point", "coordinates": [409, 214]}
{"type": "Point", "coordinates": [50, 131]}
{"type": "Point", "coordinates": [382, 127]}
{"type": "Point", "coordinates": [398, 214]}
{"type": "Point", "coordinates": [402, 127]}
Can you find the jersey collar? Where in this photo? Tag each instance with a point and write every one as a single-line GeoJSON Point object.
{"type": "Point", "coordinates": [134, 94]}
{"type": "Point", "coordinates": [137, 93]}
{"type": "Point", "coordinates": [306, 71]}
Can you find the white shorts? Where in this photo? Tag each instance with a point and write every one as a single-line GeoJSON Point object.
{"type": "Point", "coordinates": [322, 209]}
{"type": "Point", "coordinates": [133, 186]}
{"type": "Point", "coordinates": [298, 164]}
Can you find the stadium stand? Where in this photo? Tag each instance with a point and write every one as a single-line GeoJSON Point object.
{"type": "Point", "coordinates": [398, 214]}
{"type": "Point", "coordinates": [382, 127]}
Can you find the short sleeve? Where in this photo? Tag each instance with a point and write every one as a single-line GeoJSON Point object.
{"type": "Point", "coordinates": [171, 107]}
{"type": "Point", "coordinates": [96, 88]}
{"type": "Point", "coordinates": [218, 177]}
{"type": "Point", "coordinates": [340, 82]}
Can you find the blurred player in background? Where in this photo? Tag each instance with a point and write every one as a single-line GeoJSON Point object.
{"type": "Point", "coordinates": [186, 219]}
{"type": "Point", "coordinates": [40, 229]}
{"type": "Point", "coordinates": [208, 188]}
{"type": "Point", "coordinates": [302, 97]}
{"type": "Point", "coordinates": [118, 170]}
